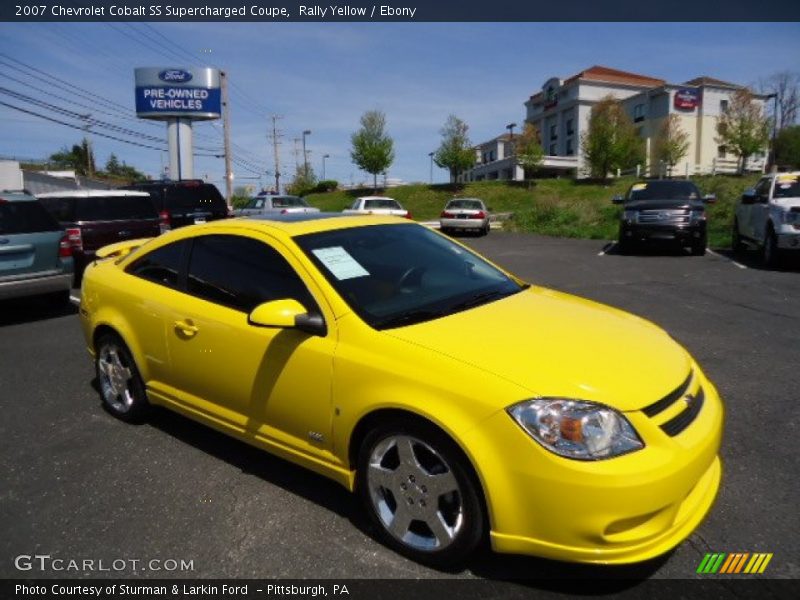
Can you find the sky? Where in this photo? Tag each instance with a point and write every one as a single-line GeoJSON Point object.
{"type": "Point", "coordinates": [323, 76]}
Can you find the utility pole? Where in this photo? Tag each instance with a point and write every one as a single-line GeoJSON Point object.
{"type": "Point", "coordinates": [296, 153]}
{"type": "Point", "coordinates": [305, 154]}
{"type": "Point", "coordinates": [86, 127]}
{"type": "Point", "coordinates": [226, 136]}
{"type": "Point", "coordinates": [275, 136]}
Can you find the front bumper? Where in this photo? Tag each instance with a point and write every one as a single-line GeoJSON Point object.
{"type": "Point", "coordinates": [789, 241]}
{"type": "Point", "coordinates": [58, 281]}
{"type": "Point", "coordinates": [622, 510]}
{"type": "Point", "coordinates": [643, 233]}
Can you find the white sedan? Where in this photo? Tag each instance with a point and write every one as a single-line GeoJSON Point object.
{"type": "Point", "coordinates": [377, 205]}
{"type": "Point", "coordinates": [462, 214]}
{"type": "Point", "coordinates": [272, 204]}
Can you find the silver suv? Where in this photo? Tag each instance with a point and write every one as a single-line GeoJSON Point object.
{"type": "Point", "coordinates": [768, 217]}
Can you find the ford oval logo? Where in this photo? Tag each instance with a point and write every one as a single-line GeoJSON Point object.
{"type": "Point", "coordinates": [175, 76]}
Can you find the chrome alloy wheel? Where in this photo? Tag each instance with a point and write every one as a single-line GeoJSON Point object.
{"type": "Point", "coordinates": [115, 379]}
{"type": "Point", "coordinates": [414, 493]}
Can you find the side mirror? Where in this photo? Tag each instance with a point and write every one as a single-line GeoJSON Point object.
{"type": "Point", "coordinates": [710, 198]}
{"type": "Point", "coordinates": [749, 196]}
{"type": "Point", "coordinates": [618, 199]}
{"type": "Point", "coordinates": [287, 314]}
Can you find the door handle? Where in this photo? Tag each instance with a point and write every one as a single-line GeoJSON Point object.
{"type": "Point", "coordinates": [187, 327]}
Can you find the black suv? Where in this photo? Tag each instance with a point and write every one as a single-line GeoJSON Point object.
{"type": "Point", "coordinates": [666, 210]}
{"type": "Point", "coordinates": [184, 202]}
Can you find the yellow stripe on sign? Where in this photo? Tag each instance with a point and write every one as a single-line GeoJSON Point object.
{"type": "Point", "coordinates": [741, 562]}
{"type": "Point", "coordinates": [727, 563]}
{"type": "Point", "coordinates": [765, 563]}
{"type": "Point", "coordinates": [755, 559]}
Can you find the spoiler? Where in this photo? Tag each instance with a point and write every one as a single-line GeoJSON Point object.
{"type": "Point", "coordinates": [120, 249]}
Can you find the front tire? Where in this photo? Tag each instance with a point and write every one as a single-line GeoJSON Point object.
{"type": "Point", "coordinates": [121, 387]}
{"type": "Point", "coordinates": [736, 238]}
{"type": "Point", "coordinates": [420, 493]}
{"type": "Point", "coordinates": [770, 253]}
{"type": "Point", "coordinates": [699, 247]}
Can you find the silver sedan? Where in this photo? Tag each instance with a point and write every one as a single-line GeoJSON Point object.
{"type": "Point", "coordinates": [465, 214]}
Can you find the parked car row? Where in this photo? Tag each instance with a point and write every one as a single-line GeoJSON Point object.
{"type": "Point", "coordinates": [766, 217]}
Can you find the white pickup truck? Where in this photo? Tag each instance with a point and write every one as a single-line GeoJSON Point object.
{"type": "Point", "coordinates": [377, 205]}
{"type": "Point", "coordinates": [768, 217]}
{"type": "Point", "coordinates": [273, 204]}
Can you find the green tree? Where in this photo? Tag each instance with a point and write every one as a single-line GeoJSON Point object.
{"type": "Point", "coordinates": [304, 181]}
{"type": "Point", "coordinates": [610, 142]}
{"type": "Point", "coordinates": [121, 170]}
{"type": "Point", "coordinates": [75, 159]}
{"type": "Point", "coordinates": [743, 128]}
{"type": "Point", "coordinates": [528, 149]}
{"type": "Point", "coordinates": [672, 142]}
{"type": "Point", "coordinates": [456, 152]}
{"type": "Point", "coordinates": [372, 148]}
{"type": "Point", "coordinates": [787, 147]}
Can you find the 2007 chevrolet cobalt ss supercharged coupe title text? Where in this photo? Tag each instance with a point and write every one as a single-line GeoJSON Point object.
{"type": "Point", "coordinates": [457, 401]}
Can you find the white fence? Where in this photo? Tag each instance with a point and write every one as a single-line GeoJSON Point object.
{"type": "Point", "coordinates": [718, 166]}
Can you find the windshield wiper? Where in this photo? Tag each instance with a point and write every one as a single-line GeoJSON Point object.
{"type": "Point", "coordinates": [483, 298]}
{"type": "Point", "coordinates": [417, 316]}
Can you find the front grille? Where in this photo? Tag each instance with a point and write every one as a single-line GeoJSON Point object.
{"type": "Point", "coordinates": [694, 404]}
{"type": "Point", "coordinates": [663, 216]}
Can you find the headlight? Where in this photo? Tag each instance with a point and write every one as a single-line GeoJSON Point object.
{"type": "Point", "coordinates": [629, 215]}
{"type": "Point", "coordinates": [698, 215]}
{"type": "Point", "coordinates": [576, 428]}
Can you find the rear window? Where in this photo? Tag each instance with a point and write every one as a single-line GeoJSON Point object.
{"type": "Point", "coordinates": [25, 217]}
{"type": "Point", "coordinates": [203, 196]}
{"type": "Point", "coordinates": [467, 204]}
{"type": "Point", "coordinates": [288, 202]}
{"type": "Point", "coordinates": [114, 208]}
{"type": "Point", "coordinates": [391, 204]}
{"type": "Point", "coordinates": [63, 209]}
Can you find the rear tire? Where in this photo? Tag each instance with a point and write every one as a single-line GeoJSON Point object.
{"type": "Point", "coordinates": [420, 494]}
{"type": "Point", "coordinates": [121, 387]}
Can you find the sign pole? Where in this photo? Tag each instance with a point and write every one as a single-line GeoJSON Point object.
{"type": "Point", "coordinates": [226, 135]}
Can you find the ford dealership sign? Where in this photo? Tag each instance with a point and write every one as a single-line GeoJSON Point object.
{"type": "Point", "coordinates": [191, 93]}
{"type": "Point", "coordinates": [175, 75]}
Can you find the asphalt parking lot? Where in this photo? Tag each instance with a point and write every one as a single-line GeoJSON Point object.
{"type": "Point", "coordinates": [76, 483]}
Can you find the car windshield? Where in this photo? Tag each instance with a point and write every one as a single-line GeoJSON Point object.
{"type": "Point", "coordinates": [664, 190]}
{"type": "Point", "coordinates": [382, 203]}
{"type": "Point", "coordinates": [255, 203]}
{"type": "Point", "coordinates": [395, 275]}
{"type": "Point", "coordinates": [469, 204]}
{"type": "Point", "coordinates": [787, 187]}
{"type": "Point", "coordinates": [195, 196]}
{"type": "Point", "coordinates": [25, 217]}
{"type": "Point", "coordinates": [288, 202]}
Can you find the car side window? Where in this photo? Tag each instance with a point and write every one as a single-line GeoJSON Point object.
{"type": "Point", "coordinates": [762, 189]}
{"type": "Point", "coordinates": [241, 273]}
{"type": "Point", "coordinates": [162, 266]}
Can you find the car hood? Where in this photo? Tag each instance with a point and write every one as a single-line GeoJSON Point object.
{"type": "Point", "coordinates": [554, 344]}
{"type": "Point", "coordinates": [663, 204]}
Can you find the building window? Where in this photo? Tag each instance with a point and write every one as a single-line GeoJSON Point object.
{"type": "Point", "coordinates": [570, 150]}
{"type": "Point", "coordinates": [722, 152]}
{"type": "Point", "coordinates": [570, 127]}
{"type": "Point", "coordinates": [723, 106]}
{"type": "Point", "coordinates": [638, 113]}
{"type": "Point", "coordinates": [553, 150]}
{"type": "Point", "coordinates": [553, 132]}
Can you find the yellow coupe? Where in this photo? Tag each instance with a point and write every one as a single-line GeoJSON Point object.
{"type": "Point", "coordinates": [460, 403]}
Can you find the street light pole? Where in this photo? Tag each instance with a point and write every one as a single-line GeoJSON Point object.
{"type": "Point", "coordinates": [771, 154]}
{"type": "Point", "coordinates": [305, 155]}
{"type": "Point", "coordinates": [324, 156]}
{"type": "Point", "coordinates": [430, 155]}
{"type": "Point", "coordinates": [513, 171]}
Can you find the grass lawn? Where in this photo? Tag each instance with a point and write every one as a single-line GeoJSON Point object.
{"type": "Point", "coordinates": [557, 207]}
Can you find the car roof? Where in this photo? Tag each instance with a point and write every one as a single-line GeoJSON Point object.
{"type": "Point", "coordinates": [16, 196]}
{"type": "Point", "coordinates": [787, 174]}
{"type": "Point", "coordinates": [93, 194]}
{"type": "Point", "coordinates": [292, 224]}
{"type": "Point", "coordinates": [375, 198]}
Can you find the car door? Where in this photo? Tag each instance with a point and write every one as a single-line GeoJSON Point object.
{"type": "Point", "coordinates": [759, 210]}
{"type": "Point", "coordinates": [269, 383]}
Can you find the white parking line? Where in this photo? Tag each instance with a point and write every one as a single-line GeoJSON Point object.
{"type": "Point", "coordinates": [740, 265]}
{"type": "Point", "coordinates": [75, 300]}
{"type": "Point", "coordinates": [607, 248]}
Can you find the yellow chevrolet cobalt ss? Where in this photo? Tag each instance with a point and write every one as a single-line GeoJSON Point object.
{"type": "Point", "coordinates": [458, 402]}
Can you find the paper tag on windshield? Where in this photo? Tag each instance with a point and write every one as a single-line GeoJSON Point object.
{"type": "Point", "coordinates": [339, 262]}
{"type": "Point", "coordinates": [638, 187]}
